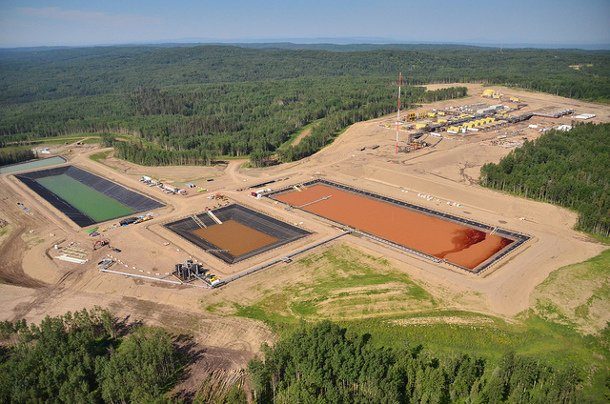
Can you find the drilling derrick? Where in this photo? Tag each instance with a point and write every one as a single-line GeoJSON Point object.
{"type": "Point", "coordinates": [398, 123]}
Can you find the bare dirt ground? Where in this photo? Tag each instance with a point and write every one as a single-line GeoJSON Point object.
{"type": "Point", "coordinates": [34, 284]}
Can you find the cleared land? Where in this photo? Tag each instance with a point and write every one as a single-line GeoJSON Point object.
{"type": "Point", "coordinates": [386, 298]}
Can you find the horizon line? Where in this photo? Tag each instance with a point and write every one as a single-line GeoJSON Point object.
{"type": "Point", "coordinates": [336, 41]}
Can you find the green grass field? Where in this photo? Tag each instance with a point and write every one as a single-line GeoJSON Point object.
{"type": "Point", "coordinates": [92, 203]}
{"type": "Point", "coordinates": [100, 156]}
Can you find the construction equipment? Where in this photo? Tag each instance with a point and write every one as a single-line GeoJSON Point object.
{"type": "Point", "coordinates": [100, 243]}
{"type": "Point", "coordinates": [128, 221]}
{"type": "Point", "coordinates": [106, 263]}
{"type": "Point", "coordinates": [189, 271]}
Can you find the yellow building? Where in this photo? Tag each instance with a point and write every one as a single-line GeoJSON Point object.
{"type": "Point", "coordinates": [453, 129]}
{"type": "Point", "coordinates": [441, 120]}
{"type": "Point", "coordinates": [489, 93]}
{"type": "Point", "coordinates": [420, 125]}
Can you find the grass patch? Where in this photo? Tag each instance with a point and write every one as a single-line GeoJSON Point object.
{"type": "Point", "coordinates": [367, 295]}
{"type": "Point", "coordinates": [345, 284]}
{"type": "Point", "coordinates": [100, 156]}
{"type": "Point", "coordinates": [577, 295]}
{"type": "Point", "coordinates": [293, 137]}
{"type": "Point", "coordinates": [5, 230]}
{"type": "Point", "coordinates": [215, 307]}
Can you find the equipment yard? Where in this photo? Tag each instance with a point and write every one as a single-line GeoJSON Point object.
{"type": "Point", "coordinates": [419, 207]}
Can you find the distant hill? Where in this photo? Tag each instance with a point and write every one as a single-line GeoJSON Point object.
{"type": "Point", "coordinates": [42, 73]}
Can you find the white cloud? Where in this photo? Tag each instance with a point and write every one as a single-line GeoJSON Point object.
{"type": "Point", "coordinates": [94, 17]}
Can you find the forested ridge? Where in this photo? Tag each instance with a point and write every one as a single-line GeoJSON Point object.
{"type": "Point", "coordinates": [571, 169]}
{"type": "Point", "coordinates": [39, 74]}
{"type": "Point", "coordinates": [193, 104]}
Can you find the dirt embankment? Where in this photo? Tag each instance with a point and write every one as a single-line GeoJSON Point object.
{"type": "Point", "coordinates": [13, 247]}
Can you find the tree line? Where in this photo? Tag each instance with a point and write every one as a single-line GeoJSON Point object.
{"type": "Point", "coordinates": [12, 155]}
{"type": "Point", "coordinates": [571, 169]}
{"type": "Point", "coordinates": [91, 356]}
{"type": "Point", "coordinates": [85, 357]}
{"type": "Point", "coordinates": [325, 363]}
{"type": "Point", "coordinates": [444, 94]}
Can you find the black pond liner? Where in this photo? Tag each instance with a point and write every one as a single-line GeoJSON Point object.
{"type": "Point", "coordinates": [136, 201]}
{"type": "Point", "coordinates": [284, 232]}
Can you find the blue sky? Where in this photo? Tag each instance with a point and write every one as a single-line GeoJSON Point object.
{"type": "Point", "coordinates": [558, 22]}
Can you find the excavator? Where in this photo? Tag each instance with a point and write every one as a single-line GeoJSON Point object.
{"type": "Point", "coordinates": [102, 243]}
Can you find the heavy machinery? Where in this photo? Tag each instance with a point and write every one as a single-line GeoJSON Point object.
{"type": "Point", "coordinates": [103, 242]}
{"type": "Point", "coordinates": [100, 243]}
{"type": "Point", "coordinates": [189, 270]}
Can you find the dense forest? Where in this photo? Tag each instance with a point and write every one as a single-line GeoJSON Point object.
{"type": "Point", "coordinates": [85, 357]}
{"type": "Point", "coordinates": [325, 363]}
{"type": "Point", "coordinates": [31, 75]}
{"type": "Point", "coordinates": [571, 169]}
{"type": "Point", "coordinates": [194, 104]}
{"type": "Point", "coordinates": [196, 124]}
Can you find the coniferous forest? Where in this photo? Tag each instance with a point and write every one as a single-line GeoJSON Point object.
{"type": "Point", "coordinates": [571, 169]}
{"type": "Point", "coordinates": [195, 104]}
